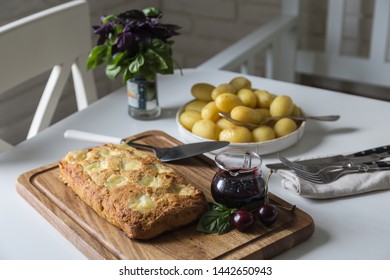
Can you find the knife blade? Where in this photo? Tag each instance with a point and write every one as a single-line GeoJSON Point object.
{"type": "Point", "coordinates": [164, 154]}
{"type": "Point", "coordinates": [368, 155]}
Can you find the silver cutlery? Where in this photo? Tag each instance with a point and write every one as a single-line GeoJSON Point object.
{"type": "Point", "coordinates": [266, 120]}
{"type": "Point", "coordinates": [331, 174]}
{"type": "Point", "coordinates": [358, 157]}
{"type": "Point", "coordinates": [164, 154]}
{"type": "Point", "coordinates": [315, 168]}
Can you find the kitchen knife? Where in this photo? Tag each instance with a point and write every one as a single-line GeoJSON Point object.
{"type": "Point", "coordinates": [164, 154]}
{"type": "Point", "coordinates": [358, 157]}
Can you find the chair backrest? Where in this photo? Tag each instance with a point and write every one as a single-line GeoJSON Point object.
{"type": "Point", "coordinates": [283, 60]}
{"type": "Point", "coordinates": [373, 68]}
{"type": "Point", "coordinates": [58, 38]}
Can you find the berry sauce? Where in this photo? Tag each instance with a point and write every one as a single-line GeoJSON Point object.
{"type": "Point", "coordinates": [236, 187]}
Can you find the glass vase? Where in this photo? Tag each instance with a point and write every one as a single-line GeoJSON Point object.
{"type": "Point", "coordinates": [142, 98]}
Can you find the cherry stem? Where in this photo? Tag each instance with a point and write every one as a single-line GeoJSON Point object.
{"type": "Point", "coordinates": [290, 208]}
{"type": "Point", "coordinates": [266, 199]}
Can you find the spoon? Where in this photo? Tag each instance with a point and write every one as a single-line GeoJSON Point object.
{"type": "Point", "coordinates": [300, 118]}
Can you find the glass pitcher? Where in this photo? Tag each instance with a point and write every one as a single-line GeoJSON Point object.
{"type": "Point", "coordinates": [238, 180]}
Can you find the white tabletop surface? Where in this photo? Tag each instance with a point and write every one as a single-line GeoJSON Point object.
{"type": "Point", "coordinates": [356, 227]}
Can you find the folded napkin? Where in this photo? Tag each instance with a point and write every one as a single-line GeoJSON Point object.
{"type": "Point", "coordinates": [346, 185]}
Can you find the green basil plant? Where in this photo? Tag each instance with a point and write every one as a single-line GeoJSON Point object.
{"type": "Point", "coordinates": [134, 42]}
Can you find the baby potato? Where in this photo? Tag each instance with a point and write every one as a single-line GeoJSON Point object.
{"type": "Point", "coordinates": [225, 102]}
{"type": "Point", "coordinates": [224, 123]}
{"type": "Point", "coordinates": [236, 134]}
{"type": "Point", "coordinates": [264, 98]}
{"type": "Point", "coordinates": [263, 133]}
{"type": "Point", "coordinates": [202, 91]}
{"type": "Point", "coordinates": [188, 118]}
{"type": "Point", "coordinates": [210, 112]}
{"type": "Point", "coordinates": [206, 129]}
{"type": "Point", "coordinates": [222, 88]}
{"type": "Point", "coordinates": [263, 112]}
{"type": "Point", "coordinates": [281, 106]}
{"type": "Point", "coordinates": [284, 127]}
{"type": "Point", "coordinates": [248, 97]}
{"type": "Point", "coordinates": [296, 112]}
{"type": "Point", "coordinates": [245, 114]}
{"type": "Point", "coordinates": [196, 105]}
{"type": "Point", "coordinates": [240, 83]}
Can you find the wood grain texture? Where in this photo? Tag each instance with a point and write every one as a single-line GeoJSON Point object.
{"type": "Point", "coordinates": [98, 239]}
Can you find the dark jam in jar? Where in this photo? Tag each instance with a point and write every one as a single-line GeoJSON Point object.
{"type": "Point", "coordinates": [236, 187]}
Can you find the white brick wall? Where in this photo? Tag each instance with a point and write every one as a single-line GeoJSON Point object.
{"type": "Point", "coordinates": [208, 26]}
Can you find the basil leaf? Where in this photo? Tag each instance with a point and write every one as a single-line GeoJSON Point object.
{"type": "Point", "coordinates": [151, 12]}
{"type": "Point", "coordinates": [112, 71]}
{"type": "Point", "coordinates": [209, 222]}
{"type": "Point", "coordinates": [108, 19]}
{"type": "Point", "coordinates": [218, 207]}
{"type": "Point", "coordinates": [225, 227]}
{"type": "Point", "coordinates": [216, 220]}
{"type": "Point", "coordinates": [156, 59]}
{"type": "Point", "coordinates": [96, 56]}
{"type": "Point", "coordinates": [118, 58]}
{"type": "Point", "coordinates": [136, 64]}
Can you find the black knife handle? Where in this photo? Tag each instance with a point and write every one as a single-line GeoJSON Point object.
{"type": "Point", "coordinates": [380, 164]}
{"type": "Point", "coordinates": [378, 150]}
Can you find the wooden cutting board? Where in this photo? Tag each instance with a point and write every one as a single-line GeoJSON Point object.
{"type": "Point", "coordinates": [98, 239]}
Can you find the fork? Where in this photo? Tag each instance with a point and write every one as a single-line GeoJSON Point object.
{"type": "Point", "coordinates": [315, 168]}
{"type": "Point", "coordinates": [328, 175]}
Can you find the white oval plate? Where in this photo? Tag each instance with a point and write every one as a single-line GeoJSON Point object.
{"type": "Point", "coordinates": [262, 148]}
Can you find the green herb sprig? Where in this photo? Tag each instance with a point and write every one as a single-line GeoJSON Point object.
{"type": "Point", "coordinates": [217, 219]}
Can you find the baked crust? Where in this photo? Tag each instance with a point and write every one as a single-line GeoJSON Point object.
{"type": "Point", "coordinates": [132, 189]}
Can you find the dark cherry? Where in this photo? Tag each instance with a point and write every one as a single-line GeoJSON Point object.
{"type": "Point", "coordinates": [243, 220]}
{"type": "Point", "coordinates": [268, 214]}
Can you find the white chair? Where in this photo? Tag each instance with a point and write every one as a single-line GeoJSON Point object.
{"type": "Point", "coordinates": [284, 61]}
{"type": "Point", "coordinates": [58, 38]}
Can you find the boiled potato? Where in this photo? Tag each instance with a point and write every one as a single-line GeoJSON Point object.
{"type": "Point", "coordinates": [263, 133]}
{"type": "Point", "coordinates": [222, 88]}
{"type": "Point", "coordinates": [245, 114]}
{"type": "Point", "coordinates": [284, 127]}
{"type": "Point", "coordinates": [281, 106]}
{"type": "Point", "coordinates": [296, 112]}
{"type": "Point", "coordinates": [206, 129]}
{"type": "Point", "coordinates": [240, 83]}
{"type": "Point", "coordinates": [188, 118]}
{"type": "Point", "coordinates": [196, 105]}
{"type": "Point", "coordinates": [225, 102]}
{"type": "Point", "coordinates": [264, 98]}
{"type": "Point", "coordinates": [248, 97]}
{"type": "Point", "coordinates": [244, 103]}
{"type": "Point", "coordinates": [224, 123]}
{"type": "Point", "coordinates": [236, 134]}
{"type": "Point", "coordinates": [264, 113]}
{"type": "Point", "coordinates": [202, 91]}
{"type": "Point", "coordinates": [210, 112]}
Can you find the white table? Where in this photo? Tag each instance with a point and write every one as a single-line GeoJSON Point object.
{"type": "Point", "coordinates": [346, 228]}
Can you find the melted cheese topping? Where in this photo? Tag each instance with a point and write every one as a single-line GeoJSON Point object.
{"type": "Point", "coordinates": [115, 181]}
{"type": "Point", "coordinates": [131, 165]}
{"type": "Point", "coordinates": [150, 181]}
{"type": "Point", "coordinates": [142, 203]}
{"type": "Point", "coordinates": [76, 156]}
{"type": "Point", "coordinates": [181, 189]}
